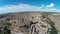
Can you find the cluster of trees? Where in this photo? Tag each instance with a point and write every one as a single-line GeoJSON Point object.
{"type": "Point", "coordinates": [5, 29]}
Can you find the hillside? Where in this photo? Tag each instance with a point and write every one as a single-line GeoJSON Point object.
{"type": "Point", "coordinates": [29, 23]}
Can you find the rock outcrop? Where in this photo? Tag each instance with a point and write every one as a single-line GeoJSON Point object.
{"type": "Point", "coordinates": [25, 23]}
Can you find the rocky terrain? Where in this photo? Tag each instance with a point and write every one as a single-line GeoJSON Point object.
{"type": "Point", "coordinates": [27, 23]}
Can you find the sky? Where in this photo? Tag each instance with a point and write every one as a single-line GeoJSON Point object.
{"type": "Point", "coordinates": [7, 6]}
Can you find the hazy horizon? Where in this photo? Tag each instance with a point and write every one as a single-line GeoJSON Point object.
{"type": "Point", "coordinates": [7, 6]}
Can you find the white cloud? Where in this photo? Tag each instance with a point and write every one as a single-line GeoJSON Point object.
{"type": "Point", "coordinates": [25, 7]}
{"type": "Point", "coordinates": [51, 5]}
{"type": "Point", "coordinates": [20, 7]}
